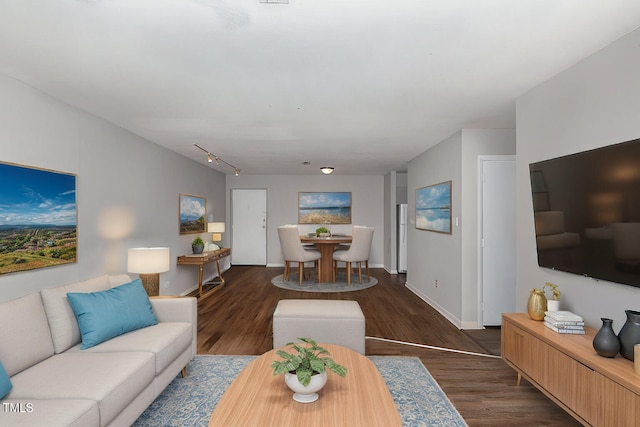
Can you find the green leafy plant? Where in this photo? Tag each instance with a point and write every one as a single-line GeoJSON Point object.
{"type": "Point", "coordinates": [197, 242]}
{"type": "Point", "coordinates": [555, 292]}
{"type": "Point", "coordinates": [306, 362]}
{"type": "Point", "coordinates": [321, 230]}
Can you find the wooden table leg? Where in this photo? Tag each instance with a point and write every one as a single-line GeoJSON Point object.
{"type": "Point", "coordinates": [326, 265]}
{"type": "Point", "coordinates": [219, 272]}
{"type": "Point", "coordinates": [200, 272]}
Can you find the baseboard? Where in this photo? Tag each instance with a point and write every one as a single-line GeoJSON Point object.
{"type": "Point", "coordinates": [469, 325]}
{"type": "Point", "coordinates": [390, 271]}
{"type": "Point", "coordinates": [280, 265]}
{"type": "Point", "coordinates": [450, 317]}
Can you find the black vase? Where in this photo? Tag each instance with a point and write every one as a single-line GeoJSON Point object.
{"type": "Point", "coordinates": [629, 335]}
{"type": "Point", "coordinates": [606, 343]}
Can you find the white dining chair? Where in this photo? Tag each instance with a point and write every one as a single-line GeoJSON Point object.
{"type": "Point", "coordinates": [358, 252]}
{"type": "Point", "coordinates": [293, 251]}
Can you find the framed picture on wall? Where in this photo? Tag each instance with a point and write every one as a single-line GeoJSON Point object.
{"type": "Point", "coordinates": [433, 208]}
{"type": "Point", "coordinates": [324, 208]}
{"type": "Point", "coordinates": [38, 225]}
{"type": "Point", "coordinates": [192, 214]}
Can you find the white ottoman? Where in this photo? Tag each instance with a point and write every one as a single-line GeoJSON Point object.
{"type": "Point", "coordinates": [324, 321]}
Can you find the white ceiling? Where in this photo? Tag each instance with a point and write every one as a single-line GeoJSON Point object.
{"type": "Point", "coordinates": [364, 86]}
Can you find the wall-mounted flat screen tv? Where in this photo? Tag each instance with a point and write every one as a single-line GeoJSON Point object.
{"type": "Point", "coordinates": [587, 212]}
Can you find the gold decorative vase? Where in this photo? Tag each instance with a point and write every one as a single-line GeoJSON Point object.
{"type": "Point", "coordinates": [537, 304]}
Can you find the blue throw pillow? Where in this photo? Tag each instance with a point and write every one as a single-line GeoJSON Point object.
{"type": "Point", "coordinates": [107, 314]}
{"type": "Point", "coordinates": [5, 382]}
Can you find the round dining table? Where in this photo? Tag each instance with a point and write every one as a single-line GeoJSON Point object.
{"type": "Point", "coordinates": [326, 246]}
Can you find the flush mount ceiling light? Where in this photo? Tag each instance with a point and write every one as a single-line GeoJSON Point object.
{"type": "Point", "coordinates": [217, 159]}
{"type": "Point", "coordinates": [326, 170]}
{"type": "Point", "coordinates": [275, 1]}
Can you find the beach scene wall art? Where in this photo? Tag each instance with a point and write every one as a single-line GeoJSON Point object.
{"type": "Point", "coordinates": [38, 218]}
{"type": "Point", "coordinates": [324, 208]}
{"type": "Point", "coordinates": [433, 208]}
{"type": "Point", "coordinates": [192, 214]}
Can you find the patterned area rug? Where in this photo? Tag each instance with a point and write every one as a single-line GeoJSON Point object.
{"type": "Point", "coordinates": [190, 401]}
{"type": "Point", "coordinates": [340, 284]}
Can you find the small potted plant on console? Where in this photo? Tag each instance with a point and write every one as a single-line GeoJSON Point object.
{"type": "Point", "coordinates": [553, 303]}
{"type": "Point", "coordinates": [197, 245]}
{"type": "Point", "coordinates": [305, 371]}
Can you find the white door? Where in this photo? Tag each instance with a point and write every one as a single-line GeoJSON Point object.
{"type": "Point", "coordinates": [498, 240]}
{"type": "Point", "coordinates": [249, 226]}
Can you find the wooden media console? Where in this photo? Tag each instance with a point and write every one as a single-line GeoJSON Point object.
{"type": "Point", "coordinates": [597, 391]}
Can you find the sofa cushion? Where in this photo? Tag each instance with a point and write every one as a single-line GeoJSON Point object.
{"type": "Point", "coordinates": [113, 380]}
{"type": "Point", "coordinates": [64, 325]}
{"type": "Point", "coordinates": [119, 279]}
{"type": "Point", "coordinates": [166, 340]}
{"type": "Point", "coordinates": [5, 382]}
{"type": "Point", "coordinates": [24, 337]}
{"type": "Point", "coordinates": [116, 311]}
{"type": "Point", "coordinates": [38, 413]}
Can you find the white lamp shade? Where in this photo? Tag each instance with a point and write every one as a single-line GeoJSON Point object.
{"type": "Point", "coordinates": [215, 227]}
{"type": "Point", "coordinates": [148, 260]}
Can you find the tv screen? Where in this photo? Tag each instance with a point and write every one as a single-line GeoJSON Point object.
{"type": "Point", "coordinates": [587, 212]}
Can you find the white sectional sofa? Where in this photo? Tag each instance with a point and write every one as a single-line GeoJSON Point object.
{"type": "Point", "coordinates": [56, 383]}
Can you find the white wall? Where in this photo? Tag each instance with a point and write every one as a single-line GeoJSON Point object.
{"type": "Point", "coordinates": [593, 104]}
{"type": "Point", "coordinates": [395, 193]}
{"type": "Point", "coordinates": [390, 235]}
{"type": "Point", "coordinates": [282, 205]}
{"type": "Point", "coordinates": [128, 188]}
{"type": "Point", "coordinates": [436, 256]}
{"type": "Point", "coordinates": [452, 259]}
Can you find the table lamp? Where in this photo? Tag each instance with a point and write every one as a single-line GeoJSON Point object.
{"type": "Point", "coordinates": [217, 228]}
{"type": "Point", "coordinates": [149, 263]}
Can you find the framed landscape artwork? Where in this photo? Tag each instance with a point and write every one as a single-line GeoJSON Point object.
{"type": "Point", "coordinates": [38, 218]}
{"type": "Point", "coordinates": [433, 208]}
{"type": "Point", "coordinates": [324, 208]}
{"type": "Point", "coordinates": [192, 214]}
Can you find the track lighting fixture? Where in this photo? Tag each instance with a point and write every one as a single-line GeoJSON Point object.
{"type": "Point", "coordinates": [213, 158]}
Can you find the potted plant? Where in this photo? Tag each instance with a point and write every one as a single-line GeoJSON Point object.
{"type": "Point", "coordinates": [553, 303]}
{"type": "Point", "coordinates": [305, 369]}
{"type": "Point", "coordinates": [197, 245]}
{"type": "Point", "coordinates": [322, 232]}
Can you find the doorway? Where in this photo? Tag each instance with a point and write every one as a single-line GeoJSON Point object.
{"type": "Point", "coordinates": [249, 226]}
{"type": "Point", "coordinates": [498, 237]}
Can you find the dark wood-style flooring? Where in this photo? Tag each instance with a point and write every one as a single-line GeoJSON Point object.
{"type": "Point", "coordinates": [237, 320]}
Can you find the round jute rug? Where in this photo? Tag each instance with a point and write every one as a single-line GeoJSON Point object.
{"type": "Point", "coordinates": [311, 286]}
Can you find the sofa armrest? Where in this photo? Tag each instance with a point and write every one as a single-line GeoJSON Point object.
{"type": "Point", "coordinates": [175, 309]}
{"type": "Point", "coordinates": [178, 309]}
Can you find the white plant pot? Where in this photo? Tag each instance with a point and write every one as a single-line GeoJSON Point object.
{"type": "Point", "coordinates": [305, 394]}
{"type": "Point", "coordinates": [553, 305]}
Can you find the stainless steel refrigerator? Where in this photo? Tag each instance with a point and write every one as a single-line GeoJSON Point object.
{"type": "Point", "coordinates": [401, 238]}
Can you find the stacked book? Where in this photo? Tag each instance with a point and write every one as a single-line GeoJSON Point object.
{"type": "Point", "coordinates": [564, 322]}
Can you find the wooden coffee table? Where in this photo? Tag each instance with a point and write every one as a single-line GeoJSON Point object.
{"type": "Point", "coordinates": [257, 397]}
